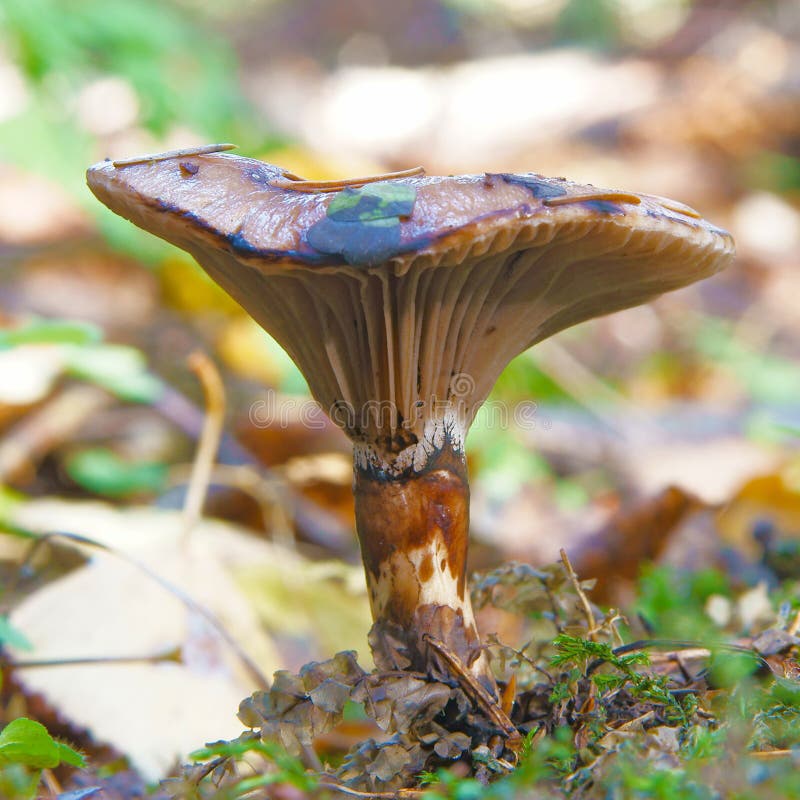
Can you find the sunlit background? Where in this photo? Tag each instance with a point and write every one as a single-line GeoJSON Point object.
{"type": "Point", "coordinates": [699, 101]}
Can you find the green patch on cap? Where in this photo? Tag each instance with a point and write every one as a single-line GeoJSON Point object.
{"type": "Point", "coordinates": [372, 202]}
{"type": "Point", "coordinates": [363, 225]}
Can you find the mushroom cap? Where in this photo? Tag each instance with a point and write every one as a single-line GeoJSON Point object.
{"type": "Point", "coordinates": [391, 291]}
{"type": "Point", "coordinates": [249, 209]}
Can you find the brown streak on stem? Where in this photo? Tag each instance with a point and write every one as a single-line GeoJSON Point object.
{"type": "Point", "coordinates": [398, 514]}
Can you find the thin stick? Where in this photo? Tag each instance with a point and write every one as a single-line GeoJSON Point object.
{"type": "Point", "coordinates": [612, 624]}
{"type": "Point", "coordinates": [795, 626]}
{"type": "Point", "coordinates": [19, 573]}
{"type": "Point", "coordinates": [329, 782]}
{"type": "Point", "coordinates": [317, 524]}
{"type": "Point", "coordinates": [679, 649]}
{"type": "Point", "coordinates": [53, 786]}
{"type": "Point", "coordinates": [266, 492]}
{"type": "Point", "coordinates": [576, 584]}
{"type": "Point", "coordinates": [310, 758]}
{"type": "Point", "coordinates": [170, 154]}
{"type": "Point", "coordinates": [475, 689]}
{"type": "Point", "coordinates": [577, 380]}
{"type": "Point", "coordinates": [678, 656]}
{"type": "Point", "coordinates": [769, 755]}
{"type": "Point", "coordinates": [207, 769]}
{"type": "Point", "coordinates": [337, 185]}
{"type": "Point", "coordinates": [158, 658]}
{"type": "Point", "coordinates": [614, 197]}
{"type": "Point", "coordinates": [637, 722]}
{"type": "Point", "coordinates": [53, 423]}
{"type": "Point", "coordinates": [210, 436]}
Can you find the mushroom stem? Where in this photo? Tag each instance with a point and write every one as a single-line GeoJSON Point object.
{"type": "Point", "coordinates": [413, 526]}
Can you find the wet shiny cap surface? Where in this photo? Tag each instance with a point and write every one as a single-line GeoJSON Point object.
{"type": "Point", "coordinates": [205, 198]}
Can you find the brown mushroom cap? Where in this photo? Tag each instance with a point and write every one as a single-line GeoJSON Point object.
{"type": "Point", "coordinates": [479, 269]}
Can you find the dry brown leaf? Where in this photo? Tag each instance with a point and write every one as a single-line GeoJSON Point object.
{"type": "Point", "coordinates": [632, 536]}
{"type": "Point", "coordinates": [773, 498]}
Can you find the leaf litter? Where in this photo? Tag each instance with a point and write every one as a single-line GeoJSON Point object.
{"type": "Point", "coordinates": [589, 709]}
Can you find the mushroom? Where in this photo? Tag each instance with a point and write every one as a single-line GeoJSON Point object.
{"type": "Point", "coordinates": [401, 298]}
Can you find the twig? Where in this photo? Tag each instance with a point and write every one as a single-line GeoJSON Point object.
{"type": "Point", "coordinates": [310, 758]}
{"type": "Point", "coordinates": [769, 755]}
{"type": "Point", "coordinates": [612, 624]}
{"type": "Point", "coordinates": [678, 649]}
{"type": "Point", "coordinates": [329, 782]}
{"type": "Point", "coordinates": [267, 493]}
{"type": "Point", "coordinates": [170, 154]}
{"type": "Point", "coordinates": [319, 525]}
{"type": "Point", "coordinates": [636, 722]}
{"type": "Point", "coordinates": [53, 786]}
{"type": "Point", "coordinates": [475, 689]}
{"type": "Point", "coordinates": [577, 380]}
{"type": "Point", "coordinates": [49, 426]}
{"type": "Point", "coordinates": [169, 655]}
{"type": "Point", "coordinates": [795, 626]}
{"type": "Point", "coordinates": [210, 436]}
{"type": "Point", "coordinates": [576, 584]}
{"type": "Point", "coordinates": [206, 769]}
{"type": "Point", "coordinates": [20, 572]}
{"type": "Point", "coordinates": [521, 656]}
{"type": "Point", "coordinates": [679, 656]}
{"type": "Point", "coordinates": [300, 185]}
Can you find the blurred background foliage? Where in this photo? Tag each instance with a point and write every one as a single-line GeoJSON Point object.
{"type": "Point", "coordinates": [695, 99]}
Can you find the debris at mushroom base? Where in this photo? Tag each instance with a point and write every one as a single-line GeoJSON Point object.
{"type": "Point", "coordinates": [417, 724]}
{"type": "Point", "coordinates": [579, 701]}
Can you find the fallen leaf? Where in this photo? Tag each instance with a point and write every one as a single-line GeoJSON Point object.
{"type": "Point", "coordinates": [90, 613]}
{"type": "Point", "coordinates": [773, 641]}
{"type": "Point", "coordinates": [616, 551]}
{"type": "Point", "coordinates": [773, 498]}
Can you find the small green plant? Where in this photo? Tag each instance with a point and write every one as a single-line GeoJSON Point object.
{"type": "Point", "coordinates": [642, 685]}
{"type": "Point", "coordinates": [102, 471]}
{"type": "Point", "coordinates": [672, 602]}
{"type": "Point", "coordinates": [628, 779]}
{"type": "Point", "coordinates": [26, 749]}
{"type": "Point", "coordinates": [81, 353]}
{"type": "Point", "coordinates": [234, 769]}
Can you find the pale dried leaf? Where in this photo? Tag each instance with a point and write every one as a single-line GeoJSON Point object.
{"type": "Point", "coordinates": [89, 613]}
{"type": "Point", "coordinates": [773, 641]}
{"type": "Point", "coordinates": [330, 696]}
